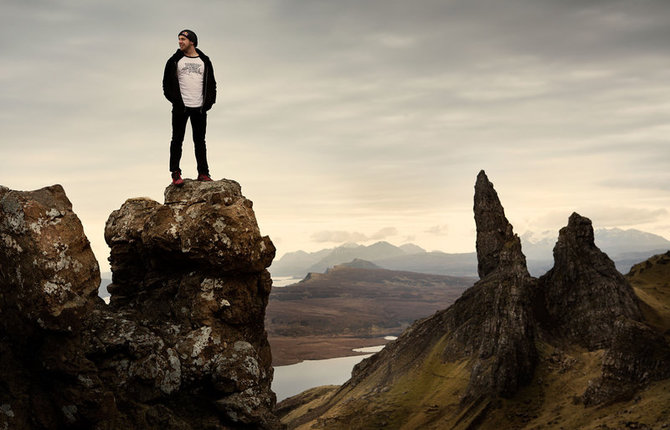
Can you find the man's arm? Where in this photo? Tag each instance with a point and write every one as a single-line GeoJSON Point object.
{"type": "Point", "coordinates": [210, 97]}
{"type": "Point", "coordinates": [171, 85]}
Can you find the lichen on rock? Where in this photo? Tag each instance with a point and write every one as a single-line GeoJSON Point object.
{"type": "Point", "coordinates": [182, 344]}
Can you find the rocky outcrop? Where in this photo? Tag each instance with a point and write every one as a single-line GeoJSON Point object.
{"type": "Point", "coordinates": [446, 371]}
{"type": "Point", "coordinates": [638, 355]}
{"type": "Point", "coordinates": [48, 286]}
{"type": "Point", "coordinates": [495, 321]}
{"type": "Point", "coordinates": [583, 293]}
{"type": "Point", "coordinates": [497, 245]}
{"type": "Point", "coordinates": [491, 325]}
{"type": "Point", "coordinates": [48, 272]}
{"type": "Point", "coordinates": [182, 344]}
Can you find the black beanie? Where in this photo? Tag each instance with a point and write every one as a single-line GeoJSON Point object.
{"type": "Point", "coordinates": [190, 36]}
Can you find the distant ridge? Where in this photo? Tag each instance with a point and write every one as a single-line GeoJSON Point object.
{"type": "Point", "coordinates": [624, 247]}
{"type": "Point", "coordinates": [358, 263]}
{"type": "Point", "coordinates": [571, 349]}
{"type": "Point", "coordinates": [359, 299]}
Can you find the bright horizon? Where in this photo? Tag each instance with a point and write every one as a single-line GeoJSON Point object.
{"type": "Point", "coordinates": [352, 121]}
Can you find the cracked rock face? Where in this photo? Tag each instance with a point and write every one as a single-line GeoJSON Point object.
{"type": "Point", "coordinates": [584, 293]}
{"type": "Point", "coordinates": [204, 225]}
{"type": "Point", "coordinates": [498, 310]}
{"type": "Point", "coordinates": [491, 325]}
{"type": "Point", "coordinates": [638, 355]}
{"type": "Point", "coordinates": [48, 273]}
{"type": "Point", "coordinates": [182, 344]}
{"type": "Point", "coordinates": [497, 245]}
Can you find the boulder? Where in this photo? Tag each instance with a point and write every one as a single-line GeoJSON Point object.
{"type": "Point", "coordinates": [48, 273]}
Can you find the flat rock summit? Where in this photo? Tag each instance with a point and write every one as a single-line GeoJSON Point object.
{"type": "Point", "coordinates": [182, 344]}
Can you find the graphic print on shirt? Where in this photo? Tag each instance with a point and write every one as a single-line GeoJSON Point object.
{"type": "Point", "coordinates": [191, 72]}
{"type": "Point", "coordinates": [190, 68]}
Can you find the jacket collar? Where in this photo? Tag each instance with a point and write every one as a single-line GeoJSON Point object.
{"type": "Point", "coordinates": [179, 54]}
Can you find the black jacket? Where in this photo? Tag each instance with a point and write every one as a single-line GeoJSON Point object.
{"type": "Point", "coordinates": [171, 81]}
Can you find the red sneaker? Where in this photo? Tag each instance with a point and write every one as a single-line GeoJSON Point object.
{"type": "Point", "coordinates": [176, 179]}
{"type": "Point", "coordinates": [204, 178]}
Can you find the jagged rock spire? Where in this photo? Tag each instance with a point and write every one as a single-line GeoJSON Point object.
{"type": "Point", "coordinates": [584, 293]}
{"type": "Point", "coordinates": [497, 245]}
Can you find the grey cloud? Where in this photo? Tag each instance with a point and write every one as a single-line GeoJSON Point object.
{"type": "Point", "coordinates": [339, 236]}
{"type": "Point", "coordinates": [625, 216]}
{"type": "Point", "coordinates": [642, 181]}
{"type": "Point", "coordinates": [604, 216]}
{"type": "Point", "coordinates": [398, 103]}
{"type": "Point", "coordinates": [384, 233]}
{"type": "Point", "coordinates": [438, 230]}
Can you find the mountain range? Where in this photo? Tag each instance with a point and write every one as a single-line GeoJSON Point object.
{"type": "Point", "coordinates": [624, 247]}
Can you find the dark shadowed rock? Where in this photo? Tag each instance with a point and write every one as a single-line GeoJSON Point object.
{"type": "Point", "coordinates": [497, 245]}
{"type": "Point", "coordinates": [495, 318]}
{"type": "Point", "coordinates": [638, 355]}
{"type": "Point", "coordinates": [182, 344]}
{"type": "Point", "coordinates": [48, 286]}
{"type": "Point", "coordinates": [491, 325]}
{"type": "Point", "coordinates": [446, 371]}
{"type": "Point", "coordinates": [584, 293]}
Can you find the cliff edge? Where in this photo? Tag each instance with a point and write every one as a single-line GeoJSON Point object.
{"type": "Point", "coordinates": [182, 343]}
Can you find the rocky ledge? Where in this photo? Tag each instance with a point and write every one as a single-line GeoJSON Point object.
{"type": "Point", "coordinates": [182, 344]}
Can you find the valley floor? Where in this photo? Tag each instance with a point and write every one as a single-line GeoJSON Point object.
{"type": "Point", "coordinates": [292, 350]}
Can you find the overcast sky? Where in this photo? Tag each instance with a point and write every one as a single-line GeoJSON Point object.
{"type": "Point", "coordinates": [352, 120]}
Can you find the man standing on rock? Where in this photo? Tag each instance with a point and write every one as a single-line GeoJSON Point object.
{"type": "Point", "coordinates": [189, 84]}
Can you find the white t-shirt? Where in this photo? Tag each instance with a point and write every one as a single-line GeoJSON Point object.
{"type": "Point", "coordinates": [191, 71]}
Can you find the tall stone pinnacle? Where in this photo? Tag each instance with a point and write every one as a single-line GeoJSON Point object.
{"type": "Point", "coordinates": [496, 241]}
{"type": "Point", "coordinates": [584, 293]}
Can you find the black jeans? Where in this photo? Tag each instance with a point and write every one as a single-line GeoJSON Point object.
{"type": "Point", "coordinates": [199, 126]}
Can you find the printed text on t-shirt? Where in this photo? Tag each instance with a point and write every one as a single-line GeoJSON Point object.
{"type": "Point", "coordinates": [192, 68]}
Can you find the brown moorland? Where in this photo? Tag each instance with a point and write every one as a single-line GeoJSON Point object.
{"type": "Point", "coordinates": [327, 315]}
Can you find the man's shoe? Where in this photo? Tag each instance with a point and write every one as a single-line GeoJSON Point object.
{"type": "Point", "coordinates": [176, 179]}
{"type": "Point", "coordinates": [204, 178]}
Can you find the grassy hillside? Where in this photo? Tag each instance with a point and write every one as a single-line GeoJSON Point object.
{"type": "Point", "coordinates": [429, 398]}
{"type": "Point", "coordinates": [428, 395]}
{"type": "Point", "coordinates": [651, 281]}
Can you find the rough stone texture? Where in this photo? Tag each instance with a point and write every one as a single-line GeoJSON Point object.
{"type": "Point", "coordinates": [205, 225]}
{"type": "Point", "coordinates": [48, 286]}
{"type": "Point", "coordinates": [495, 319]}
{"type": "Point", "coordinates": [182, 344]}
{"type": "Point", "coordinates": [491, 324]}
{"type": "Point", "coordinates": [48, 272]}
{"type": "Point", "coordinates": [638, 355]}
{"type": "Point", "coordinates": [583, 293]}
{"type": "Point", "coordinates": [497, 245]}
{"type": "Point", "coordinates": [492, 329]}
